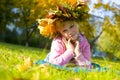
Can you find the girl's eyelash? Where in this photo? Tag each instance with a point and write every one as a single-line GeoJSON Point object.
{"type": "Point", "coordinates": [64, 30]}
{"type": "Point", "coordinates": [71, 26]}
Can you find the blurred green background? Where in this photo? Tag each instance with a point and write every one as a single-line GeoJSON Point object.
{"type": "Point", "coordinates": [18, 25]}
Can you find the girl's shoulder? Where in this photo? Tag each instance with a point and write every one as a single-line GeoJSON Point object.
{"type": "Point", "coordinates": [82, 34]}
{"type": "Point", "coordinates": [57, 40]}
{"type": "Point", "coordinates": [82, 37]}
{"type": "Point", "coordinates": [83, 40]}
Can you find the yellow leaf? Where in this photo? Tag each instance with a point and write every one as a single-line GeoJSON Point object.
{"type": "Point", "coordinates": [26, 65]}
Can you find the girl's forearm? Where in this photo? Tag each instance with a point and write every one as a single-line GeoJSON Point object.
{"type": "Point", "coordinates": [82, 60]}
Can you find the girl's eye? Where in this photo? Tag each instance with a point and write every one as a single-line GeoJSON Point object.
{"type": "Point", "coordinates": [71, 26]}
{"type": "Point", "coordinates": [65, 30]}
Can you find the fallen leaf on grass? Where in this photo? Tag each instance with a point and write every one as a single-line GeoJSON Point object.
{"type": "Point", "coordinates": [26, 65]}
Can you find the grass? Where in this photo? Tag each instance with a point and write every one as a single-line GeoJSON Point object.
{"type": "Point", "coordinates": [17, 63]}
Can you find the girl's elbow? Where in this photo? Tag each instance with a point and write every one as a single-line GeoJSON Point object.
{"type": "Point", "coordinates": [57, 61]}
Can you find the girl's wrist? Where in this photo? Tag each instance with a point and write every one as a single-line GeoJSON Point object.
{"type": "Point", "coordinates": [71, 50]}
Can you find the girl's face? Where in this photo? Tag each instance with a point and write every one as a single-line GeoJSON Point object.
{"type": "Point", "coordinates": [69, 30]}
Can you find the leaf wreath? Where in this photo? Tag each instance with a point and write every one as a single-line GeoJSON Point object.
{"type": "Point", "coordinates": [66, 12]}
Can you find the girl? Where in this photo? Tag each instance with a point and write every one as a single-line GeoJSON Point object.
{"type": "Point", "coordinates": [68, 45]}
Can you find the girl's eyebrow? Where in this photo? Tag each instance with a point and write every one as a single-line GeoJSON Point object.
{"type": "Point", "coordinates": [72, 25]}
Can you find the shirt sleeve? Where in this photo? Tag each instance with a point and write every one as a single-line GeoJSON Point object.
{"type": "Point", "coordinates": [84, 58]}
{"type": "Point", "coordinates": [59, 55]}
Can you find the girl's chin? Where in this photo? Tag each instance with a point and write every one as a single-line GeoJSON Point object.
{"type": "Point", "coordinates": [74, 38]}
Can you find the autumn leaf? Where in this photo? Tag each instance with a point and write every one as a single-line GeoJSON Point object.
{"type": "Point", "coordinates": [26, 65]}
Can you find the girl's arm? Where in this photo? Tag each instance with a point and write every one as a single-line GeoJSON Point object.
{"type": "Point", "coordinates": [59, 55]}
{"type": "Point", "coordinates": [83, 57]}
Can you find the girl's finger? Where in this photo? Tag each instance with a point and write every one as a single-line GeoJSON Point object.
{"type": "Point", "coordinates": [77, 48]}
{"type": "Point", "coordinates": [69, 41]}
{"type": "Point", "coordinates": [77, 44]}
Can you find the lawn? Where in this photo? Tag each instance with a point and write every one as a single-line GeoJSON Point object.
{"type": "Point", "coordinates": [18, 63]}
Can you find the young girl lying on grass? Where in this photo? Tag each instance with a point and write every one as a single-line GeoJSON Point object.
{"type": "Point", "coordinates": [69, 46]}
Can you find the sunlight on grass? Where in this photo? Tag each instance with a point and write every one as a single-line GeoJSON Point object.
{"type": "Point", "coordinates": [18, 63]}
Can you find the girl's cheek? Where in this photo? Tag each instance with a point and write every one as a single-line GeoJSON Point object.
{"type": "Point", "coordinates": [66, 35]}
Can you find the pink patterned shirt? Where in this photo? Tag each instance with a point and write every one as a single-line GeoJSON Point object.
{"type": "Point", "coordinates": [59, 55]}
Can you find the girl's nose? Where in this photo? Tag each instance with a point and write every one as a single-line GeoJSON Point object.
{"type": "Point", "coordinates": [69, 32]}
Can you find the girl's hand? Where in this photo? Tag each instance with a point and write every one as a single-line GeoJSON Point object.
{"type": "Point", "coordinates": [68, 44]}
{"type": "Point", "coordinates": [77, 49]}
